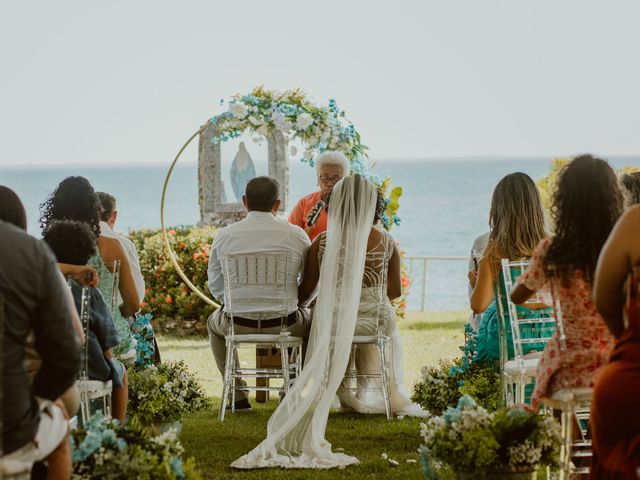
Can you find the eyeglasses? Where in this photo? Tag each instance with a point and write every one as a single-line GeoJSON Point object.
{"type": "Point", "coordinates": [327, 179]}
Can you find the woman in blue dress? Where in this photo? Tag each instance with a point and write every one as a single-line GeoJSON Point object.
{"type": "Point", "coordinates": [517, 224]}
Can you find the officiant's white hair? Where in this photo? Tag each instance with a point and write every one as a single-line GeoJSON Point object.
{"type": "Point", "coordinates": [332, 157]}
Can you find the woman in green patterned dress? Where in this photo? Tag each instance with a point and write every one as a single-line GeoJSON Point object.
{"type": "Point", "coordinates": [75, 199]}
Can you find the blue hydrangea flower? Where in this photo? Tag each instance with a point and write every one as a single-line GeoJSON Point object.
{"type": "Point", "coordinates": [466, 401]}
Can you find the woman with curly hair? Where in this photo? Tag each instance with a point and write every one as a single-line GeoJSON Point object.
{"type": "Point", "coordinates": [74, 243]}
{"type": "Point", "coordinates": [75, 199]}
{"type": "Point", "coordinates": [586, 204]}
{"type": "Point", "coordinates": [517, 224]}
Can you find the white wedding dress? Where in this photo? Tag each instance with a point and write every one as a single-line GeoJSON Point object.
{"type": "Point", "coordinates": [376, 311]}
{"type": "Point", "coordinates": [296, 430]}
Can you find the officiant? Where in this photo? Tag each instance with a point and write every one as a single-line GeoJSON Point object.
{"type": "Point", "coordinates": [309, 213]}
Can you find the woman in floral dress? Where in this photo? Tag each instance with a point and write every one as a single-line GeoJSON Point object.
{"type": "Point", "coordinates": [587, 202]}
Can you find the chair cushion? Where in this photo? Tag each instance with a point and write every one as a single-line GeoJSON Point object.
{"type": "Point", "coordinates": [512, 367]}
{"type": "Point", "coordinates": [264, 338]}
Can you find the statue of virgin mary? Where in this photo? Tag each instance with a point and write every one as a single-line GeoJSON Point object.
{"type": "Point", "coordinates": [242, 170]}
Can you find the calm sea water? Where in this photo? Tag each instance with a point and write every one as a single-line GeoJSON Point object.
{"type": "Point", "coordinates": [444, 207]}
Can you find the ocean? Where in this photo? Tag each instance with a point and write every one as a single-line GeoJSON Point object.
{"type": "Point", "coordinates": [445, 204]}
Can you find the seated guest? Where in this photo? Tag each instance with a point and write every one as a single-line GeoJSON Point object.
{"type": "Point", "coordinates": [262, 230]}
{"type": "Point", "coordinates": [12, 211]}
{"type": "Point", "coordinates": [107, 223]}
{"type": "Point", "coordinates": [631, 183]}
{"type": "Point", "coordinates": [566, 263]}
{"type": "Point", "coordinates": [73, 243]}
{"type": "Point", "coordinates": [331, 167]}
{"type": "Point", "coordinates": [34, 428]}
{"type": "Point", "coordinates": [381, 283]}
{"type": "Point", "coordinates": [478, 247]}
{"type": "Point", "coordinates": [615, 416]}
{"type": "Point", "coordinates": [517, 224]}
{"type": "Point", "coordinates": [75, 199]}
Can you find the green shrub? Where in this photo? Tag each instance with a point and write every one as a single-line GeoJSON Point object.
{"type": "Point", "coordinates": [167, 297]}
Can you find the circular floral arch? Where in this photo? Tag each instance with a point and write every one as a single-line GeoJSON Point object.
{"type": "Point", "coordinates": [319, 128]}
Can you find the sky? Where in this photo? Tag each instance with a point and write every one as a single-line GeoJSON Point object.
{"type": "Point", "coordinates": [87, 82]}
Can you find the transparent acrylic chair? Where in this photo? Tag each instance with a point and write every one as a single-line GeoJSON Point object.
{"type": "Point", "coordinates": [539, 324]}
{"type": "Point", "coordinates": [113, 299]}
{"type": "Point", "coordinates": [268, 279]}
{"type": "Point", "coordinates": [90, 389]}
{"type": "Point", "coordinates": [375, 279]}
{"type": "Point", "coordinates": [574, 405]}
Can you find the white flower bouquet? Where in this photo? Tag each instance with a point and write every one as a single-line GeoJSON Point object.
{"type": "Point", "coordinates": [164, 393]}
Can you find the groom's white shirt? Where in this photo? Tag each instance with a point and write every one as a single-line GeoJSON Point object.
{"type": "Point", "coordinates": [132, 256]}
{"type": "Point", "coordinates": [260, 231]}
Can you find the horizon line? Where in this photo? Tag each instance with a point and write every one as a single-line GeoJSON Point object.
{"type": "Point", "coordinates": [454, 158]}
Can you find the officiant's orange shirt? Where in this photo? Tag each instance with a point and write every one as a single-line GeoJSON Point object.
{"type": "Point", "coordinates": [300, 212]}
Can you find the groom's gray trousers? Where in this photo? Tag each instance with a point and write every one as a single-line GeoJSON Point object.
{"type": "Point", "coordinates": [218, 324]}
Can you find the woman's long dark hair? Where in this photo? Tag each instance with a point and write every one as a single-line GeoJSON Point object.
{"type": "Point", "coordinates": [11, 208]}
{"type": "Point", "coordinates": [586, 204]}
{"type": "Point", "coordinates": [73, 199]}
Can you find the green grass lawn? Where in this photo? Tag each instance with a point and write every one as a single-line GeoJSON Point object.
{"type": "Point", "coordinates": [427, 336]}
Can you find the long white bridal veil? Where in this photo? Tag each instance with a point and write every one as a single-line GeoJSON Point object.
{"type": "Point", "coordinates": [296, 430]}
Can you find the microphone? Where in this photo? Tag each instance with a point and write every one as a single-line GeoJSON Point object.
{"type": "Point", "coordinates": [312, 219]}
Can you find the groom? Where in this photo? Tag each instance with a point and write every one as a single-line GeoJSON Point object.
{"type": "Point", "coordinates": [262, 230]}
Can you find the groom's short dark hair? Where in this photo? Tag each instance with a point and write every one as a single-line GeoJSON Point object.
{"type": "Point", "coordinates": [262, 193]}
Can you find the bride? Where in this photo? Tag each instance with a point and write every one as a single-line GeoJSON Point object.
{"type": "Point", "coordinates": [296, 430]}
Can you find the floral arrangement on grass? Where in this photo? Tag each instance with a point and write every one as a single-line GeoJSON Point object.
{"type": "Point", "coordinates": [106, 449]}
{"type": "Point", "coordinates": [443, 385]}
{"type": "Point", "coordinates": [163, 393]}
{"type": "Point", "coordinates": [469, 439]}
{"type": "Point", "coordinates": [319, 128]}
{"type": "Point", "coordinates": [143, 333]}
{"type": "Point", "coordinates": [173, 305]}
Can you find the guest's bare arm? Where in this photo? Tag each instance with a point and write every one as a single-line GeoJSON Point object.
{"type": "Point", "coordinates": [83, 274]}
{"type": "Point", "coordinates": [520, 294]}
{"type": "Point", "coordinates": [311, 273]}
{"type": "Point", "coordinates": [616, 258]}
{"type": "Point", "coordinates": [110, 250]}
{"type": "Point", "coordinates": [483, 290]}
{"type": "Point", "coordinates": [394, 275]}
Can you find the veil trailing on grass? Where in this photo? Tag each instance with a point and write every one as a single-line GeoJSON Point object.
{"type": "Point", "coordinates": [296, 430]}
